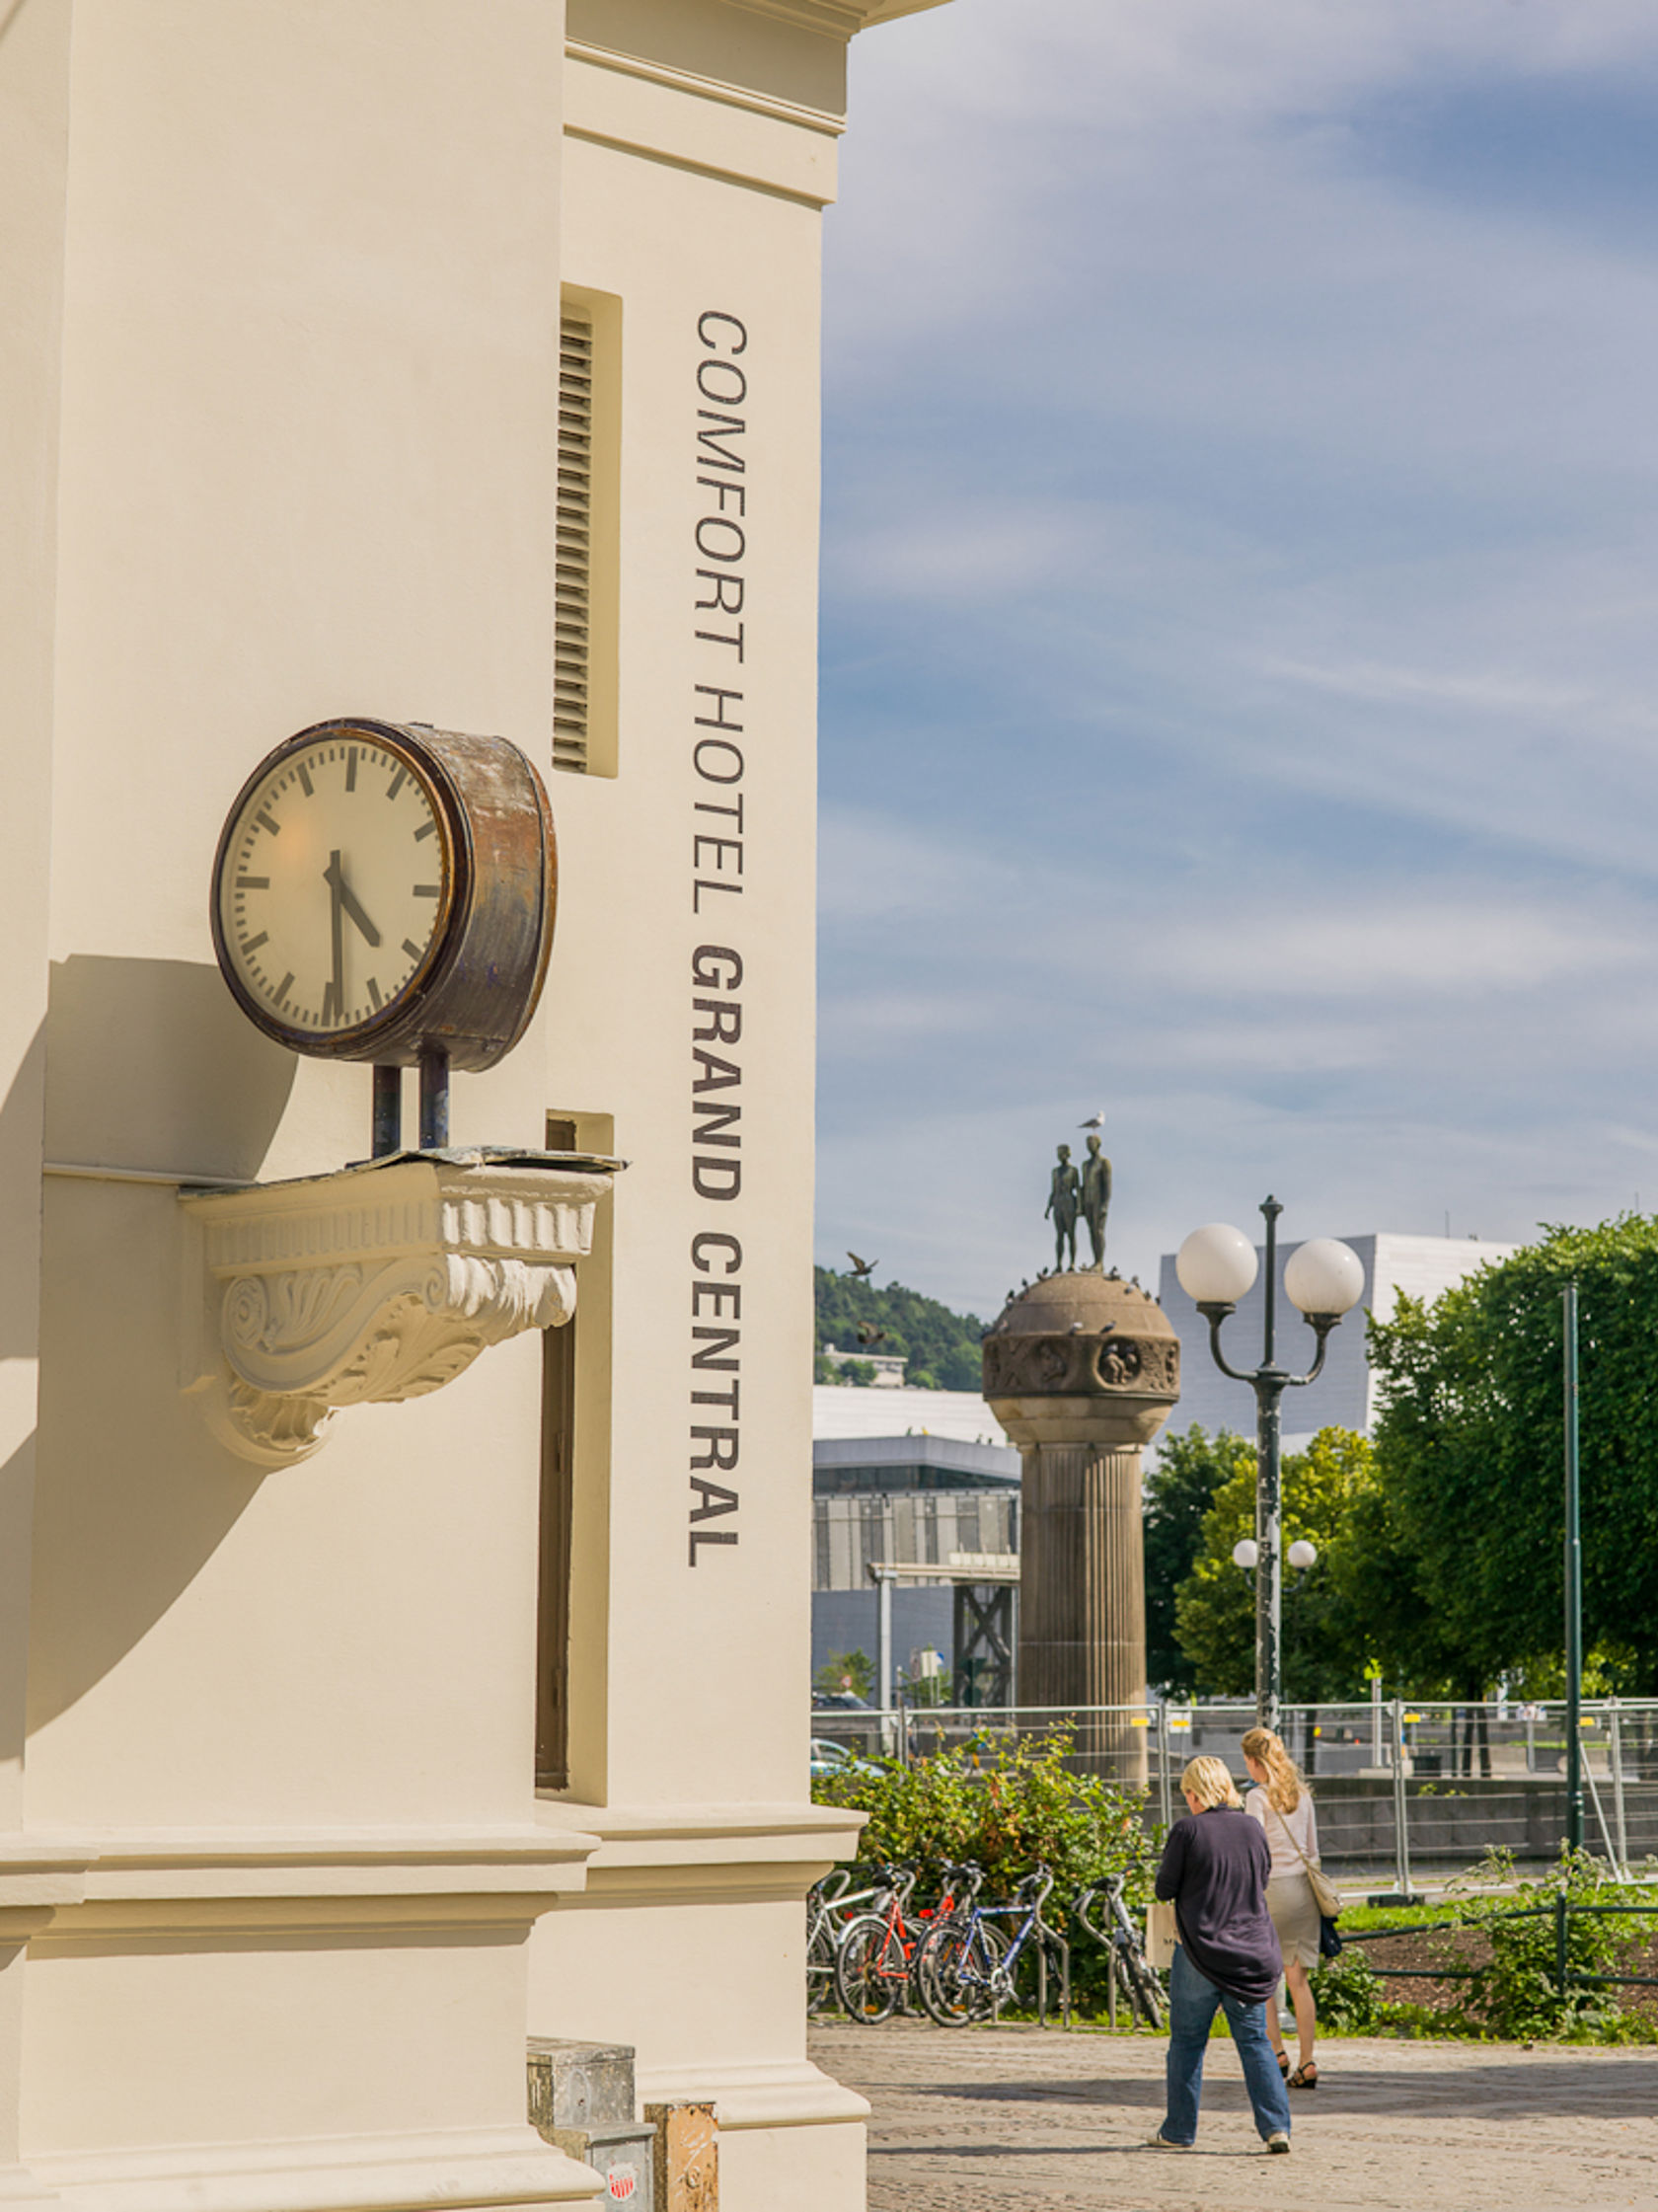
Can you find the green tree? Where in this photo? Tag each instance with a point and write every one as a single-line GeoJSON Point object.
{"type": "Point", "coordinates": [1326, 1636]}
{"type": "Point", "coordinates": [1468, 1448]}
{"type": "Point", "coordinates": [1179, 1490]}
{"type": "Point", "coordinates": [942, 1346]}
{"type": "Point", "coordinates": [846, 1670]}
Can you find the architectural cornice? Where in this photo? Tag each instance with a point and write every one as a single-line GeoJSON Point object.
{"type": "Point", "coordinates": [847, 17]}
{"type": "Point", "coordinates": [380, 1283]}
{"type": "Point", "coordinates": [166, 1883]}
{"type": "Point", "coordinates": [669, 1853]}
{"type": "Point", "coordinates": [707, 88]}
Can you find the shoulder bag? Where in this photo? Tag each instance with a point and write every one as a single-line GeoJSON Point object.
{"type": "Point", "coordinates": [1325, 1896]}
{"type": "Point", "coordinates": [1161, 1933]}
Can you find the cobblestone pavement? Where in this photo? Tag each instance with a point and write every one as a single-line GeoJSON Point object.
{"type": "Point", "coordinates": [1010, 2120]}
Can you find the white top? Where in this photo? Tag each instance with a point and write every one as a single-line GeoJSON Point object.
{"type": "Point", "coordinates": [1300, 1823]}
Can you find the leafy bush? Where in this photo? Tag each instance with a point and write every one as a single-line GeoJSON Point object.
{"type": "Point", "coordinates": [1518, 1995]}
{"type": "Point", "coordinates": [1513, 1993]}
{"type": "Point", "coordinates": [1010, 1806]}
{"type": "Point", "coordinates": [1348, 1993]}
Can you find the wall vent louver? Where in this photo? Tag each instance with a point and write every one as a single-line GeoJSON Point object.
{"type": "Point", "coordinates": [573, 614]}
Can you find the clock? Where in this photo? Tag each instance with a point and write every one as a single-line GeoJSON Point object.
{"type": "Point", "coordinates": [386, 891]}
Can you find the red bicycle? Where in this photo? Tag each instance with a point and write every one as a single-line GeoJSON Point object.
{"type": "Point", "coordinates": [875, 1965]}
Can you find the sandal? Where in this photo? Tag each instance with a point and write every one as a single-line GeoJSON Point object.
{"type": "Point", "coordinates": [1284, 2064]}
{"type": "Point", "coordinates": [1306, 2075]}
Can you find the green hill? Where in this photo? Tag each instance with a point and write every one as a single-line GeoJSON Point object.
{"type": "Point", "coordinates": [942, 1347]}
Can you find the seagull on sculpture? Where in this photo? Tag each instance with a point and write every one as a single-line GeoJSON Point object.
{"type": "Point", "coordinates": [1093, 1121]}
{"type": "Point", "coordinates": [861, 1270]}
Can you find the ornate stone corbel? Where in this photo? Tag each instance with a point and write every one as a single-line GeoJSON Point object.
{"type": "Point", "coordinates": [382, 1282]}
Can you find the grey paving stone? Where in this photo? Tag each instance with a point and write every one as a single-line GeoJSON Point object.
{"type": "Point", "coordinates": [1010, 2119]}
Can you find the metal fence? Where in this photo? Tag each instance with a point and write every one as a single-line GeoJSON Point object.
{"type": "Point", "coordinates": [1400, 1785]}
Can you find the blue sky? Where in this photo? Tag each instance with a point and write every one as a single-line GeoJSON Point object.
{"type": "Point", "coordinates": [1239, 702]}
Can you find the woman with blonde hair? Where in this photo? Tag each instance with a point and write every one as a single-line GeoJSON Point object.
{"type": "Point", "coordinates": [1214, 1872]}
{"type": "Point", "coordinates": [1283, 1804]}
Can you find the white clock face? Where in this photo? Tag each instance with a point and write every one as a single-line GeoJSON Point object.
{"type": "Point", "coordinates": [333, 885]}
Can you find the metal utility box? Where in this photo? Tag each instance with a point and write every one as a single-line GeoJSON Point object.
{"type": "Point", "coordinates": [625, 2156]}
{"type": "Point", "coordinates": [581, 2085]}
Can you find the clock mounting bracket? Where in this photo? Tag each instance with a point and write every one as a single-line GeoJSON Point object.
{"type": "Point", "coordinates": [381, 1283]}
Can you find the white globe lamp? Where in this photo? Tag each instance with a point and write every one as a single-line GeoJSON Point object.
{"type": "Point", "coordinates": [1216, 1265]}
{"type": "Point", "coordinates": [1302, 1555]}
{"type": "Point", "coordinates": [1246, 1553]}
{"type": "Point", "coordinates": [1324, 1277]}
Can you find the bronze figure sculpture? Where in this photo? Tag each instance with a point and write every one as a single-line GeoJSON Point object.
{"type": "Point", "coordinates": [1096, 1199]}
{"type": "Point", "coordinates": [1063, 1195]}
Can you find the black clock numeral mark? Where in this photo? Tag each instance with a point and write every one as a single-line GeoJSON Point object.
{"type": "Point", "coordinates": [351, 768]}
{"type": "Point", "coordinates": [426, 829]}
{"type": "Point", "coordinates": [374, 993]}
{"type": "Point", "coordinates": [305, 779]}
{"type": "Point", "coordinates": [268, 821]}
{"type": "Point", "coordinates": [328, 1005]}
{"type": "Point", "coordinates": [428, 890]}
{"type": "Point", "coordinates": [412, 949]}
{"type": "Point", "coordinates": [284, 987]}
{"type": "Point", "coordinates": [254, 942]}
{"type": "Point", "coordinates": [398, 781]}
{"type": "Point", "coordinates": [252, 883]}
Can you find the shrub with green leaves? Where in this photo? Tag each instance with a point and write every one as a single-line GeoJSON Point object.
{"type": "Point", "coordinates": [1010, 1805]}
{"type": "Point", "coordinates": [1519, 1993]}
{"type": "Point", "coordinates": [1348, 1993]}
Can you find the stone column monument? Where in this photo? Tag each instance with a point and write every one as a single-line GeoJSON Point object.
{"type": "Point", "coordinates": [1082, 1369]}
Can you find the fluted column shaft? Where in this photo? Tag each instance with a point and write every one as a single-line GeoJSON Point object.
{"type": "Point", "coordinates": [1082, 1591]}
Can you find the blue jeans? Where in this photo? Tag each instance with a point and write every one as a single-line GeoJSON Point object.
{"type": "Point", "coordinates": [1192, 2011]}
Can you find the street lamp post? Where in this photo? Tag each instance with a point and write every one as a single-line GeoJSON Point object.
{"type": "Point", "coordinates": [1217, 1267]}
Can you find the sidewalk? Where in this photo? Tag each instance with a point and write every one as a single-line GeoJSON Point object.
{"type": "Point", "coordinates": [1013, 2120]}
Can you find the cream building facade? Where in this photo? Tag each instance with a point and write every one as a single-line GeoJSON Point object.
{"type": "Point", "coordinates": [325, 1783]}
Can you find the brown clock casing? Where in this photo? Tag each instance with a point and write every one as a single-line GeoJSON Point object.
{"type": "Point", "coordinates": [474, 993]}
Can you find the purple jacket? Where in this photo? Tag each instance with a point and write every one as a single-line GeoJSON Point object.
{"type": "Point", "coordinates": [1214, 1867]}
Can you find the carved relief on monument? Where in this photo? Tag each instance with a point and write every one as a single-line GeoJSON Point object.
{"type": "Point", "coordinates": [1016, 1365]}
{"type": "Point", "coordinates": [1139, 1363]}
{"type": "Point", "coordinates": [1026, 1366]}
{"type": "Point", "coordinates": [1119, 1362]}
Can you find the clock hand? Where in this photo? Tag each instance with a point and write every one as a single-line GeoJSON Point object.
{"type": "Point", "coordinates": [349, 900]}
{"type": "Point", "coordinates": [336, 884]}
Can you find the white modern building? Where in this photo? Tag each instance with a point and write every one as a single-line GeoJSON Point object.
{"type": "Point", "coordinates": [1344, 1395]}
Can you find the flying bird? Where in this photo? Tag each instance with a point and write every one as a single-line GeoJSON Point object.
{"type": "Point", "coordinates": [1093, 1121]}
{"type": "Point", "coordinates": [870, 1336]}
{"type": "Point", "coordinates": [863, 1269]}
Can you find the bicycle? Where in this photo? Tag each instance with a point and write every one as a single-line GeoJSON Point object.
{"type": "Point", "coordinates": [826, 1901]}
{"type": "Point", "coordinates": [1130, 1971]}
{"type": "Point", "coordinates": [830, 1905]}
{"type": "Point", "coordinates": [875, 1963]}
{"type": "Point", "coordinates": [967, 1968]}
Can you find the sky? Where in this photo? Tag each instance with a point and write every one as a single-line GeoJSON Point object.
{"type": "Point", "coordinates": [1240, 627]}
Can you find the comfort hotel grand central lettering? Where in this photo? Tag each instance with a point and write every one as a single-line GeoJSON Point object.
{"type": "Point", "coordinates": [716, 836]}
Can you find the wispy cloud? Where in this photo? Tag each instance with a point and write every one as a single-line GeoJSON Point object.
{"type": "Point", "coordinates": [1241, 658]}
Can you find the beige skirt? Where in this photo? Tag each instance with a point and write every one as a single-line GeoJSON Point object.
{"type": "Point", "coordinates": [1295, 1915]}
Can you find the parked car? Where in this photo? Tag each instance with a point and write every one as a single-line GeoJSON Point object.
{"type": "Point", "coordinates": [835, 1758]}
{"type": "Point", "coordinates": [839, 1701]}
